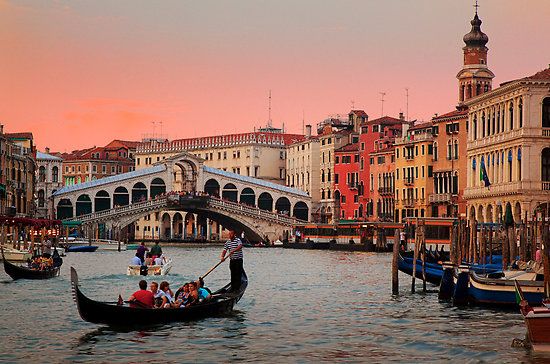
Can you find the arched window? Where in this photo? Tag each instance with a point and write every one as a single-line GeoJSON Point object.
{"type": "Point", "coordinates": [510, 159]}
{"type": "Point", "coordinates": [511, 110]}
{"type": "Point", "coordinates": [322, 194]}
{"type": "Point", "coordinates": [322, 175]}
{"type": "Point", "coordinates": [329, 178]}
{"type": "Point", "coordinates": [498, 119]}
{"type": "Point", "coordinates": [483, 125]}
{"type": "Point", "coordinates": [55, 174]}
{"type": "Point", "coordinates": [545, 164]}
{"type": "Point", "coordinates": [456, 149]}
{"type": "Point", "coordinates": [435, 151]}
{"type": "Point", "coordinates": [41, 198]}
{"type": "Point", "coordinates": [474, 127]}
{"type": "Point", "coordinates": [546, 112]}
{"type": "Point", "coordinates": [42, 174]}
{"type": "Point", "coordinates": [493, 122]}
{"type": "Point", "coordinates": [520, 111]}
{"type": "Point", "coordinates": [449, 150]}
{"type": "Point", "coordinates": [519, 164]}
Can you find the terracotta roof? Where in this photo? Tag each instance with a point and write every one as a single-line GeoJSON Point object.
{"type": "Point", "coordinates": [427, 124]}
{"type": "Point", "coordinates": [541, 75]}
{"type": "Point", "coordinates": [385, 120]}
{"type": "Point", "coordinates": [452, 114]}
{"type": "Point", "coordinates": [348, 148]}
{"type": "Point", "coordinates": [23, 135]}
{"type": "Point", "coordinates": [359, 112]}
{"type": "Point", "coordinates": [122, 143]}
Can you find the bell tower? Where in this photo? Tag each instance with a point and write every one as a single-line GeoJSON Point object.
{"type": "Point", "coordinates": [475, 78]}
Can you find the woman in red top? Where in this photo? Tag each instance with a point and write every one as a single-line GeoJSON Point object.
{"type": "Point", "coordinates": [142, 298]}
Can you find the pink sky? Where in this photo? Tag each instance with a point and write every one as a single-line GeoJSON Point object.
{"type": "Point", "coordinates": [79, 74]}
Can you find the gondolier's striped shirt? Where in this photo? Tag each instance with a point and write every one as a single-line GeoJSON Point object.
{"type": "Point", "coordinates": [232, 244]}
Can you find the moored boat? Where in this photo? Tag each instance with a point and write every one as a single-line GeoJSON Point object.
{"type": "Point", "coordinates": [537, 320]}
{"type": "Point", "coordinates": [81, 248]}
{"type": "Point", "coordinates": [150, 270]}
{"type": "Point", "coordinates": [111, 245]}
{"type": "Point", "coordinates": [498, 289]}
{"type": "Point", "coordinates": [16, 255]}
{"type": "Point", "coordinates": [112, 314]}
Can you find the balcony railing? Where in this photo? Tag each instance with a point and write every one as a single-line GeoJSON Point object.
{"type": "Point", "coordinates": [409, 202]}
{"type": "Point", "coordinates": [546, 132]}
{"type": "Point", "coordinates": [439, 197]}
{"type": "Point", "coordinates": [385, 190]}
{"type": "Point", "coordinates": [408, 181]}
{"type": "Point", "coordinates": [546, 186]}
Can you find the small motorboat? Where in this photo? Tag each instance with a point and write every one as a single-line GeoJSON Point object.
{"type": "Point", "coordinates": [81, 248]}
{"type": "Point", "coordinates": [122, 315]}
{"type": "Point", "coordinates": [20, 272]}
{"type": "Point", "coordinates": [150, 270]}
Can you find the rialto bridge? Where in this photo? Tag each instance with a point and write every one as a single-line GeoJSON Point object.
{"type": "Point", "coordinates": [184, 199]}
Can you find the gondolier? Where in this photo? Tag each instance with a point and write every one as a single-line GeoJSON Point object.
{"type": "Point", "coordinates": [234, 249]}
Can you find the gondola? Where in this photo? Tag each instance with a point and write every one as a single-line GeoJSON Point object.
{"type": "Point", "coordinates": [112, 314]}
{"type": "Point", "coordinates": [18, 272]}
{"type": "Point", "coordinates": [498, 289]}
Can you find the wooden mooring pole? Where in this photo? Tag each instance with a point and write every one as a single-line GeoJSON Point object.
{"type": "Point", "coordinates": [415, 257]}
{"type": "Point", "coordinates": [394, 266]}
{"type": "Point", "coordinates": [423, 247]}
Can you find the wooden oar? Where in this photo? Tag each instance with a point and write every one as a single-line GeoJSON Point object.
{"type": "Point", "coordinates": [217, 264]}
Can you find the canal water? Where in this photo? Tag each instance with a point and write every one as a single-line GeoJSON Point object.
{"type": "Point", "coordinates": [300, 306]}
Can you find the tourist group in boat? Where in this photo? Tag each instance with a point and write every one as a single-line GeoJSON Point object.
{"type": "Point", "coordinates": [161, 296]}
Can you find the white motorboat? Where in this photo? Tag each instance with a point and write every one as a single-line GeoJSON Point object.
{"type": "Point", "coordinates": [150, 270]}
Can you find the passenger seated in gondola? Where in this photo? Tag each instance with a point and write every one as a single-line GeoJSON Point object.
{"type": "Point", "coordinates": [136, 260]}
{"type": "Point", "coordinates": [142, 298]}
{"type": "Point", "coordinates": [206, 292]}
{"type": "Point", "coordinates": [193, 297]}
{"type": "Point", "coordinates": [168, 297]}
{"type": "Point", "coordinates": [159, 260]}
{"type": "Point", "coordinates": [149, 259]}
{"type": "Point", "coordinates": [182, 295]}
{"type": "Point", "coordinates": [157, 294]}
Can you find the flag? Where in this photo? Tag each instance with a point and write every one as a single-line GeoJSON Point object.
{"type": "Point", "coordinates": [483, 175]}
{"type": "Point", "coordinates": [519, 292]}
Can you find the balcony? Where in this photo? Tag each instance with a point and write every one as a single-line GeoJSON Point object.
{"type": "Point", "coordinates": [439, 198]}
{"type": "Point", "coordinates": [508, 188]}
{"type": "Point", "coordinates": [409, 202]}
{"type": "Point", "coordinates": [546, 132]}
{"type": "Point", "coordinates": [409, 181]}
{"type": "Point", "coordinates": [385, 190]}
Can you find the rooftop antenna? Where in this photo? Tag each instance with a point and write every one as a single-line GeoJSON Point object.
{"type": "Point", "coordinates": [382, 99]}
{"type": "Point", "coordinates": [407, 96]}
{"type": "Point", "coordinates": [152, 122]}
{"type": "Point", "coordinates": [269, 118]}
{"type": "Point", "coordinates": [160, 122]}
{"type": "Point", "coordinates": [352, 104]}
{"type": "Point", "coordinates": [303, 122]}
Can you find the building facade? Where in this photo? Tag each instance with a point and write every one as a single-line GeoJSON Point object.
{"type": "Point", "coordinates": [48, 180]}
{"type": "Point", "coordinates": [346, 183]}
{"type": "Point", "coordinates": [382, 190]}
{"type": "Point", "coordinates": [17, 170]}
{"type": "Point", "coordinates": [334, 133]}
{"type": "Point", "coordinates": [302, 166]}
{"type": "Point", "coordinates": [413, 171]}
{"type": "Point", "coordinates": [98, 162]}
{"type": "Point", "coordinates": [508, 149]}
{"type": "Point", "coordinates": [375, 135]}
{"type": "Point", "coordinates": [257, 154]}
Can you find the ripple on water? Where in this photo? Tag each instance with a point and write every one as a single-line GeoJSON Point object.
{"type": "Point", "coordinates": [301, 306]}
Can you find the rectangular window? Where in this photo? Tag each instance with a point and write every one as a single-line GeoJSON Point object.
{"type": "Point", "coordinates": [356, 158]}
{"type": "Point", "coordinates": [94, 168]}
{"type": "Point", "coordinates": [112, 169]}
{"type": "Point", "coordinates": [371, 160]}
{"type": "Point", "coordinates": [422, 149]}
{"type": "Point", "coordinates": [375, 128]}
{"type": "Point", "coordinates": [336, 178]}
{"type": "Point", "coordinates": [336, 159]}
{"type": "Point", "coordinates": [362, 146]}
{"type": "Point", "coordinates": [430, 171]}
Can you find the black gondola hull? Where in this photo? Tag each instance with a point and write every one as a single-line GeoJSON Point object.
{"type": "Point", "coordinates": [125, 316]}
{"type": "Point", "coordinates": [17, 272]}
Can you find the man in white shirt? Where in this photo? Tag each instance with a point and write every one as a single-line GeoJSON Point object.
{"type": "Point", "coordinates": [135, 260]}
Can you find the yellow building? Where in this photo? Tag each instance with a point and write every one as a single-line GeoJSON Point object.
{"type": "Point", "coordinates": [413, 171]}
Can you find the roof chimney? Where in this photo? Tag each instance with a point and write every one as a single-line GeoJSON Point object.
{"type": "Point", "coordinates": [47, 150]}
{"type": "Point", "coordinates": [308, 131]}
{"type": "Point", "coordinates": [401, 116]}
